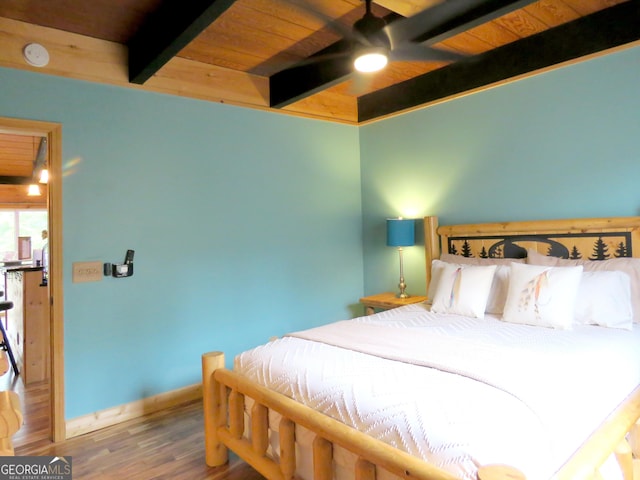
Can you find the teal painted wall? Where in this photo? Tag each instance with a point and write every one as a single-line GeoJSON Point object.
{"type": "Point", "coordinates": [558, 145]}
{"type": "Point", "coordinates": [246, 224]}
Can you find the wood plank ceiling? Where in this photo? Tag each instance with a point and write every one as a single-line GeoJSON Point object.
{"type": "Point", "coordinates": [240, 52]}
{"type": "Point", "coordinates": [20, 157]}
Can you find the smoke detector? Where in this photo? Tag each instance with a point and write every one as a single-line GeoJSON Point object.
{"type": "Point", "coordinates": [36, 55]}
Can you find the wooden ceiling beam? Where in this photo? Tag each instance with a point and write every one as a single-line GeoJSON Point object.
{"type": "Point", "coordinates": [167, 31]}
{"type": "Point", "coordinates": [310, 77]}
{"type": "Point", "coordinates": [13, 180]}
{"type": "Point", "coordinates": [600, 31]}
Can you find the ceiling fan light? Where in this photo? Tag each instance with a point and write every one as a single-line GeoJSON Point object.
{"type": "Point", "coordinates": [370, 62]}
{"type": "Point", "coordinates": [34, 190]}
{"type": "Point", "coordinates": [44, 176]}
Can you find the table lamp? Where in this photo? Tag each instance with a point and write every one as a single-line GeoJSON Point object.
{"type": "Point", "coordinates": [401, 232]}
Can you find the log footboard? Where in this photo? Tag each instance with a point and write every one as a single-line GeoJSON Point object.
{"type": "Point", "coordinates": [634, 446]}
{"type": "Point", "coordinates": [615, 436]}
{"type": "Point", "coordinates": [224, 394]}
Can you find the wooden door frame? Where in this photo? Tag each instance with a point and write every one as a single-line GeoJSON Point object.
{"type": "Point", "coordinates": [53, 132]}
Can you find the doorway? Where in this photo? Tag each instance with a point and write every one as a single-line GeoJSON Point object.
{"type": "Point", "coordinates": [52, 132]}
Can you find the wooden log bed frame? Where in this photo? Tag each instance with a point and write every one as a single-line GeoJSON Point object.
{"type": "Point", "coordinates": [225, 392]}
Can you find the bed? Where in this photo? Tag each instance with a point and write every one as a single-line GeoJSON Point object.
{"type": "Point", "coordinates": [548, 387]}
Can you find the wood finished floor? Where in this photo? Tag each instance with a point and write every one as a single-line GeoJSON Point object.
{"type": "Point", "coordinates": [165, 445]}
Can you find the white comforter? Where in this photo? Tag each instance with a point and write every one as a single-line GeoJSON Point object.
{"type": "Point", "coordinates": [456, 391]}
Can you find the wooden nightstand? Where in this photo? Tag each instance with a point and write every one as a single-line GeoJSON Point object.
{"type": "Point", "coordinates": [386, 301]}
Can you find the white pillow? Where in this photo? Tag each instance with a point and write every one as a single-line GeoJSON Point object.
{"type": "Point", "coordinates": [542, 296]}
{"type": "Point", "coordinates": [499, 290]}
{"type": "Point", "coordinates": [499, 286]}
{"type": "Point", "coordinates": [463, 289]}
{"type": "Point", "coordinates": [630, 266]}
{"type": "Point", "coordinates": [436, 272]}
{"type": "Point", "coordinates": [604, 298]}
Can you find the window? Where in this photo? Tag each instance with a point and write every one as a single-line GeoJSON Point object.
{"type": "Point", "coordinates": [21, 223]}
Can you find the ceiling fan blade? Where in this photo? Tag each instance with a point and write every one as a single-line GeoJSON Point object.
{"type": "Point", "coordinates": [411, 52]}
{"type": "Point", "coordinates": [345, 31]}
{"type": "Point", "coordinates": [319, 58]}
{"type": "Point", "coordinates": [447, 18]}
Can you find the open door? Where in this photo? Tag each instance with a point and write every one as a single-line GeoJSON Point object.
{"type": "Point", "coordinates": [52, 132]}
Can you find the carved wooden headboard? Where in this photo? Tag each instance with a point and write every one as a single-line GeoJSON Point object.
{"type": "Point", "coordinates": [585, 238]}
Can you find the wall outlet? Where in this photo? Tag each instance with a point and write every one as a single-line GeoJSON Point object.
{"type": "Point", "coordinates": [86, 272]}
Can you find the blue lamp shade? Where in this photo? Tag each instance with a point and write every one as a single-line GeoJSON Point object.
{"type": "Point", "coordinates": [401, 232]}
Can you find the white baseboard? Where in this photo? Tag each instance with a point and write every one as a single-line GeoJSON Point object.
{"type": "Point", "coordinates": [121, 413]}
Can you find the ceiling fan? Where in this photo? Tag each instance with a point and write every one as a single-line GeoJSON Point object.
{"type": "Point", "coordinates": [371, 43]}
{"type": "Point", "coordinates": [375, 43]}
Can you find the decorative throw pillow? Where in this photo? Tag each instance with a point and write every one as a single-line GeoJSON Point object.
{"type": "Point", "coordinates": [542, 296]}
{"type": "Point", "coordinates": [463, 289]}
{"type": "Point", "coordinates": [604, 299]}
{"type": "Point", "coordinates": [630, 266]}
{"type": "Point", "coordinates": [499, 286]}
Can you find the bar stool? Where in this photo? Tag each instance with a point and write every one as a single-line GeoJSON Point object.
{"type": "Point", "coordinates": [4, 344]}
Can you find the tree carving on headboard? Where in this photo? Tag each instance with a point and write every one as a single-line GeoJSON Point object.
{"type": "Point", "coordinates": [568, 246]}
{"type": "Point", "coordinates": [575, 254]}
{"type": "Point", "coordinates": [466, 249]}
{"type": "Point", "coordinates": [621, 250]}
{"type": "Point", "coordinates": [600, 250]}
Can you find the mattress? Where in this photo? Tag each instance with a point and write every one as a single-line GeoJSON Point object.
{"type": "Point", "coordinates": [458, 392]}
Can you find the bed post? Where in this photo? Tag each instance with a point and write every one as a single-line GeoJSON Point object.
{"type": "Point", "coordinates": [215, 451]}
{"type": "Point", "coordinates": [431, 244]}
{"type": "Point", "coordinates": [634, 445]}
{"type": "Point", "coordinates": [10, 412]}
{"type": "Point", "coordinates": [634, 439]}
{"type": "Point", "coordinates": [499, 472]}
{"type": "Point", "coordinates": [10, 421]}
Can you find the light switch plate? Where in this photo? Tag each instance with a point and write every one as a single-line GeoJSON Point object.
{"type": "Point", "coordinates": [86, 272]}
